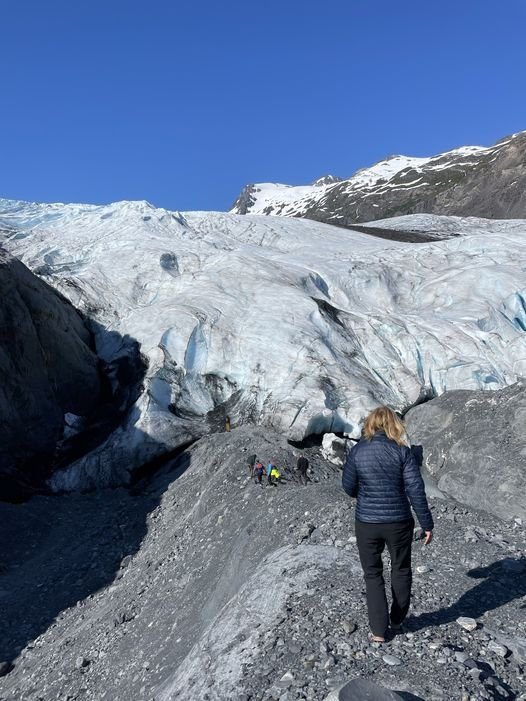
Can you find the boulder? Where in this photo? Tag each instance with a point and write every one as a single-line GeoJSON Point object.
{"type": "Point", "coordinates": [362, 690]}
{"type": "Point", "coordinates": [333, 449]}
{"type": "Point", "coordinates": [473, 447]}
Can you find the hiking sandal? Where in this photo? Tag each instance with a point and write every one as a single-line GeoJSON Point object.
{"type": "Point", "coordinates": [376, 638]}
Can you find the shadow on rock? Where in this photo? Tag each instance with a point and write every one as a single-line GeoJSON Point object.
{"type": "Point", "coordinates": [502, 581]}
{"type": "Point", "coordinates": [46, 570]}
{"type": "Point", "coordinates": [360, 689]}
{"type": "Point", "coordinates": [122, 370]}
{"type": "Point", "coordinates": [67, 382]}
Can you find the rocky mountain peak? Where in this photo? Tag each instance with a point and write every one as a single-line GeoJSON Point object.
{"type": "Point", "coordinates": [327, 180]}
{"type": "Point", "coordinates": [483, 181]}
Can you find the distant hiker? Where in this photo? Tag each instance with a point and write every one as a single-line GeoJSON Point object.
{"type": "Point", "coordinates": [227, 423]}
{"type": "Point", "coordinates": [275, 475]}
{"type": "Point", "coordinates": [258, 472]}
{"type": "Point", "coordinates": [270, 467]}
{"type": "Point", "coordinates": [302, 467]}
{"type": "Point", "coordinates": [381, 472]}
{"type": "Point", "coordinates": [251, 462]}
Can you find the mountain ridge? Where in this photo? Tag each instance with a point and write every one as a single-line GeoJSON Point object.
{"type": "Point", "coordinates": [483, 181]}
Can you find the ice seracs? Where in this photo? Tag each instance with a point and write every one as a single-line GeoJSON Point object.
{"type": "Point", "coordinates": [277, 321]}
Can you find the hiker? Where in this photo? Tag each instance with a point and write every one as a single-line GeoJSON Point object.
{"type": "Point", "coordinates": [275, 475]}
{"type": "Point", "coordinates": [381, 472]}
{"type": "Point", "coordinates": [251, 462]}
{"type": "Point", "coordinates": [258, 472]}
{"type": "Point", "coordinates": [302, 467]}
{"type": "Point", "coordinates": [227, 424]}
{"type": "Point", "coordinates": [270, 467]}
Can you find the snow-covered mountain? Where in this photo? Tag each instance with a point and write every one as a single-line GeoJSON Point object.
{"type": "Point", "coordinates": [472, 180]}
{"type": "Point", "coordinates": [283, 322]}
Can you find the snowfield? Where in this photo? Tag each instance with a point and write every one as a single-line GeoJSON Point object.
{"type": "Point", "coordinates": [285, 322]}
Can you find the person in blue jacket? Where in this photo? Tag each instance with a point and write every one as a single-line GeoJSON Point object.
{"type": "Point", "coordinates": [381, 472]}
{"type": "Point", "coordinates": [271, 466]}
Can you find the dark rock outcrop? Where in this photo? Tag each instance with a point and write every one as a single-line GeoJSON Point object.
{"type": "Point", "coordinates": [48, 368]}
{"type": "Point", "coordinates": [473, 445]}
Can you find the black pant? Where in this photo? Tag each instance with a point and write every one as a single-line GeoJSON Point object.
{"type": "Point", "coordinates": [371, 539]}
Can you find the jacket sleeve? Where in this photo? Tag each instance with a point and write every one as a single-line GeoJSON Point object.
{"type": "Point", "coordinates": [415, 490]}
{"type": "Point", "coordinates": [350, 476]}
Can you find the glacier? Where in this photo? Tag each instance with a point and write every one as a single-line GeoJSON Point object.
{"type": "Point", "coordinates": [282, 322]}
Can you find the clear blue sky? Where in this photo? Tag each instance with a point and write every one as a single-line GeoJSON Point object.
{"type": "Point", "coordinates": [182, 103]}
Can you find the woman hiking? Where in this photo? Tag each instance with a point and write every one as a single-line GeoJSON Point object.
{"type": "Point", "coordinates": [382, 473]}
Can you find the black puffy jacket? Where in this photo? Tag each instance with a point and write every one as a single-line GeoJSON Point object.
{"type": "Point", "coordinates": [385, 477]}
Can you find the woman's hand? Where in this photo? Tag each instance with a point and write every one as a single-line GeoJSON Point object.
{"type": "Point", "coordinates": [428, 537]}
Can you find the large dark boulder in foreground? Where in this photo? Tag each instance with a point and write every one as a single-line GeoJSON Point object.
{"type": "Point", "coordinates": [474, 446]}
{"type": "Point", "coordinates": [48, 368]}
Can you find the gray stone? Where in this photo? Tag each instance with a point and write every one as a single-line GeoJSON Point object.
{"type": "Point", "coordinates": [362, 690]}
{"type": "Point", "coordinates": [391, 660]}
{"type": "Point", "coordinates": [349, 627]}
{"type": "Point", "coordinates": [498, 648]}
{"type": "Point", "coordinates": [475, 673]}
{"type": "Point", "coordinates": [286, 680]}
{"type": "Point", "coordinates": [333, 448]}
{"type": "Point", "coordinates": [467, 623]}
{"type": "Point", "coordinates": [328, 662]}
{"type": "Point", "coordinates": [81, 662]}
{"type": "Point", "coordinates": [451, 429]}
{"type": "Point", "coordinates": [515, 643]}
{"type": "Point", "coordinates": [305, 531]}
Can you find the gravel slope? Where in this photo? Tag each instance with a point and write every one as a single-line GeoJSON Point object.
{"type": "Point", "coordinates": [203, 585]}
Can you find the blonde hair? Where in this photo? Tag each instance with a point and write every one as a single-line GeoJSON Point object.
{"type": "Point", "coordinates": [384, 419]}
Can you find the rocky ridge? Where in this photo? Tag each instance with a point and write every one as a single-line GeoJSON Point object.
{"type": "Point", "coordinates": [468, 181]}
